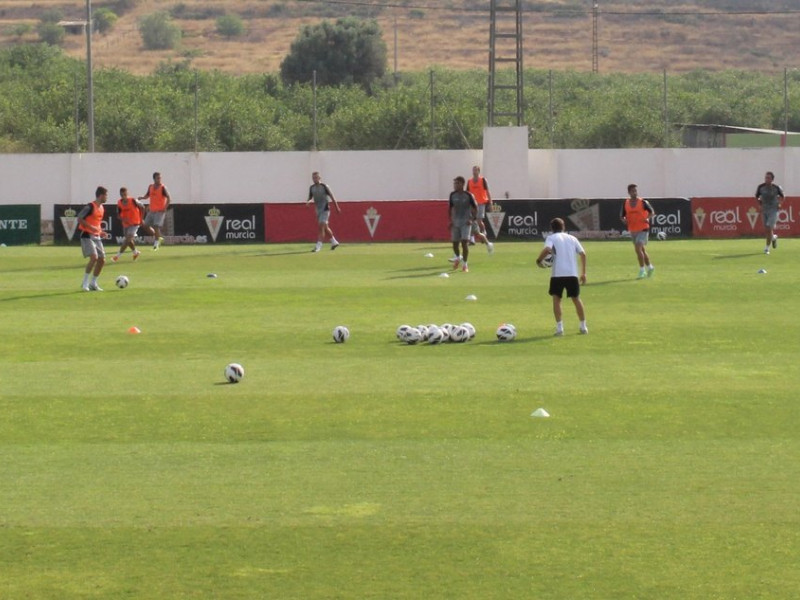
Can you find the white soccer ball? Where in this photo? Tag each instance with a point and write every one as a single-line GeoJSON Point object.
{"type": "Point", "coordinates": [401, 331]}
{"type": "Point", "coordinates": [412, 336]}
{"type": "Point", "coordinates": [661, 235]}
{"type": "Point", "coordinates": [470, 328]}
{"type": "Point", "coordinates": [459, 334]}
{"type": "Point", "coordinates": [446, 329]}
{"type": "Point", "coordinates": [423, 331]}
{"type": "Point", "coordinates": [234, 373]}
{"type": "Point", "coordinates": [341, 334]}
{"type": "Point", "coordinates": [435, 335]}
{"type": "Point", "coordinates": [547, 261]}
{"type": "Point", "coordinates": [122, 282]}
{"type": "Point", "coordinates": [506, 332]}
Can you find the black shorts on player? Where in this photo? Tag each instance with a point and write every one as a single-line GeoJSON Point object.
{"type": "Point", "coordinates": [570, 284]}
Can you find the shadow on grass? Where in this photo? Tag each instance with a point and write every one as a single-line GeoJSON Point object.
{"type": "Point", "coordinates": [727, 256]}
{"type": "Point", "coordinates": [416, 273]}
{"type": "Point", "coordinates": [34, 296]}
{"type": "Point", "coordinates": [610, 282]}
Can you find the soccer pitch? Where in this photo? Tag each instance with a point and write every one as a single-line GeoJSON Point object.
{"type": "Point", "coordinates": [669, 467]}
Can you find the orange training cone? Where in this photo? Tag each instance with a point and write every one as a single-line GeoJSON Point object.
{"type": "Point", "coordinates": [134, 330]}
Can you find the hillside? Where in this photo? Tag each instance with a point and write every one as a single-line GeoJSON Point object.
{"type": "Point", "coordinates": [632, 36]}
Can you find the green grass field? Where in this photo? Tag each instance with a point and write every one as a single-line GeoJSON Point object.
{"type": "Point", "coordinates": [669, 467]}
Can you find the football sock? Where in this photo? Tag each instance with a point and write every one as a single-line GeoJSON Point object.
{"type": "Point", "coordinates": [85, 278]}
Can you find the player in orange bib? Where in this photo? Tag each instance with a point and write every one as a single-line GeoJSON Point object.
{"type": "Point", "coordinates": [129, 211]}
{"type": "Point", "coordinates": [478, 187]}
{"type": "Point", "coordinates": [159, 203]}
{"type": "Point", "coordinates": [636, 214]}
{"type": "Point", "coordinates": [90, 224]}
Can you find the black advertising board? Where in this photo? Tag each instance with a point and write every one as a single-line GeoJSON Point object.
{"type": "Point", "coordinates": [184, 224]}
{"type": "Point", "coordinates": [220, 223]}
{"type": "Point", "coordinates": [586, 218]}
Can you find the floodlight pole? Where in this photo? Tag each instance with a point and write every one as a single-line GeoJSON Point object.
{"type": "Point", "coordinates": [89, 82]}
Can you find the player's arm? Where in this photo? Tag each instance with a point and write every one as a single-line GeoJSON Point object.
{"type": "Point", "coordinates": [473, 207]}
{"type": "Point", "coordinates": [650, 210]}
{"type": "Point", "coordinates": [545, 251]}
{"type": "Point", "coordinates": [489, 200]}
{"type": "Point", "coordinates": [331, 196]}
{"type": "Point", "coordinates": [310, 195]}
{"type": "Point", "coordinates": [146, 194]}
{"type": "Point", "coordinates": [582, 256]}
{"type": "Point", "coordinates": [622, 216]}
{"type": "Point", "coordinates": [166, 197]}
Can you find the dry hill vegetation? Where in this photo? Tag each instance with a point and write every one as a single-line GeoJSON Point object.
{"type": "Point", "coordinates": [633, 36]}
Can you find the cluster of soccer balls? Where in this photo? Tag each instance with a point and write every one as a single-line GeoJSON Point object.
{"type": "Point", "coordinates": [435, 334]}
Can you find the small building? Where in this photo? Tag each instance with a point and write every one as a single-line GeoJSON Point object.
{"type": "Point", "coordinates": [728, 136]}
{"type": "Point", "coordinates": [73, 27]}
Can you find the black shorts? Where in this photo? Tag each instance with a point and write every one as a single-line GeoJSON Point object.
{"type": "Point", "coordinates": [559, 284]}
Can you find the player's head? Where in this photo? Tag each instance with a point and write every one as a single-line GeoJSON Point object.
{"type": "Point", "coordinates": [156, 176]}
{"type": "Point", "coordinates": [476, 170]}
{"type": "Point", "coordinates": [632, 188]}
{"type": "Point", "coordinates": [459, 182]}
{"type": "Point", "coordinates": [123, 192]}
{"type": "Point", "coordinates": [315, 177]}
{"type": "Point", "coordinates": [557, 225]}
{"type": "Point", "coordinates": [769, 177]}
{"type": "Point", "coordinates": [100, 193]}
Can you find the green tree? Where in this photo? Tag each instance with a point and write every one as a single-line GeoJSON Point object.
{"type": "Point", "coordinates": [345, 52]}
{"type": "Point", "coordinates": [50, 33]}
{"type": "Point", "coordinates": [104, 20]}
{"type": "Point", "coordinates": [230, 26]}
{"type": "Point", "coordinates": [159, 32]}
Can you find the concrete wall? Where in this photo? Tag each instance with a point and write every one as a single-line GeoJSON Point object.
{"type": "Point", "coordinates": [49, 179]}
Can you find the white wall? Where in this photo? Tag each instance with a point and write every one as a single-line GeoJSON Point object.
{"type": "Point", "coordinates": [49, 179]}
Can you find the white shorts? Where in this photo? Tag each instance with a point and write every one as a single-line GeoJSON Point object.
{"type": "Point", "coordinates": [131, 231]}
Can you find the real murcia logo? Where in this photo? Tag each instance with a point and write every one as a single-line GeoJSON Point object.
{"type": "Point", "coordinates": [752, 216]}
{"type": "Point", "coordinates": [495, 217]}
{"type": "Point", "coordinates": [214, 222]}
{"type": "Point", "coordinates": [70, 222]}
{"type": "Point", "coordinates": [371, 218]}
{"type": "Point", "coordinates": [700, 217]}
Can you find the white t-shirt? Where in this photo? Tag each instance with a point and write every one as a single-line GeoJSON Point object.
{"type": "Point", "coordinates": [565, 247]}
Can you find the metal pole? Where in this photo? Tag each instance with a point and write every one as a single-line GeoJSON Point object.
{"type": "Point", "coordinates": [785, 106]}
{"type": "Point", "coordinates": [395, 50]}
{"type": "Point", "coordinates": [550, 111]}
{"type": "Point", "coordinates": [89, 82]}
{"type": "Point", "coordinates": [196, 105]}
{"type": "Point", "coordinates": [314, 107]}
{"type": "Point", "coordinates": [666, 113]}
{"type": "Point", "coordinates": [595, 49]}
{"type": "Point", "coordinates": [77, 117]}
{"type": "Point", "coordinates": [433, 115]}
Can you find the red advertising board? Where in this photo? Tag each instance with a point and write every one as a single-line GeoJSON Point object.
{"type": "Point", "coordinates": [387, 221]}
{"type": "Point", "coordinates": [740, 217]}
